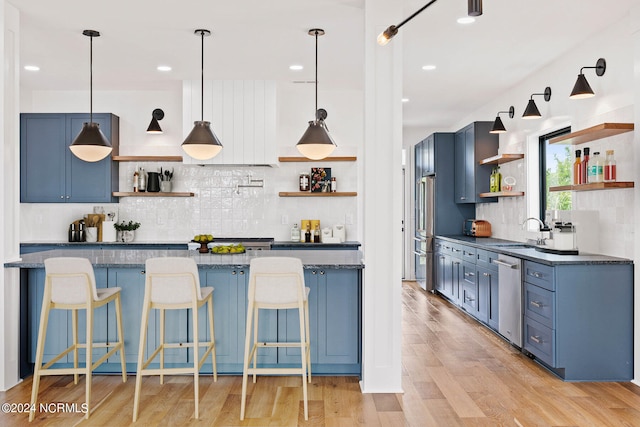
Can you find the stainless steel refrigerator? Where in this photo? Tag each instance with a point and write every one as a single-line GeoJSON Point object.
{"type": "Point", "coordinates": [423, 251]}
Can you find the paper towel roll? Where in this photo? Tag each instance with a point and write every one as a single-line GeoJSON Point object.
{"type": "Point", "coordinates": [108, 232]}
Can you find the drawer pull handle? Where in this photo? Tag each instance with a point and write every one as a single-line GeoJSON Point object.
{"type": "Point", "coordinates": [536, 339]}
{"type": "Point", "coordinates": [536, 304]}
{"type": "Point", "coordinates": [466, 298]}
{"type": "Point", "coordinates": [469, 274]}
{"type": "Point", "coordinates": [536, 274]}
{"type": "Point", "coordinates": [455, 250]}
{"type": "Point", "coordinates": [486, 274]}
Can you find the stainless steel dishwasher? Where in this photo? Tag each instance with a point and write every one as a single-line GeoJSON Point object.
{"type": "Point", "coordinates": [510, 298]}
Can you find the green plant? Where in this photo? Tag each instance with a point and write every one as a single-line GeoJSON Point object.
{"type": "Point", "coordinates": [122, 226]}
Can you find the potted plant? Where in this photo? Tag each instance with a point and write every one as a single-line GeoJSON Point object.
{"type": "Point", "coordinates": [125, 231]}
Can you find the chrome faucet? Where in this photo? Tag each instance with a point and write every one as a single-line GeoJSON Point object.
{"type": "Point", "coordinates": [541, 228]}
{"type": "Point", "coordinates": [535, 219]}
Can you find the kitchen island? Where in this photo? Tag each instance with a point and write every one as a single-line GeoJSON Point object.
{"type": "Point", "coordinates": [575, 311]}
{"type": "Point", "coordinates": [335, 307]}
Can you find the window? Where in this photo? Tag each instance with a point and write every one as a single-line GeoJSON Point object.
{"type": "Point", "coordinates": [556, 168]}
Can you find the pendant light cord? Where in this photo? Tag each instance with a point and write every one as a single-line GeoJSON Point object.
{"type": "Point", "coordinates": [91, 79]}
{"type": "Point", "coordinates": [202, 77]}
{"type": "Point", "coordinates": [316, 111]}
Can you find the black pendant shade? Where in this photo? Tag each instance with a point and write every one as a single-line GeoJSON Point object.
{"type": "Point", "coordinates": [582, 89]}
{"type": "Point", "coordinates": [498, 126]}
{"type": "Point", "coordinates": [532, 112]}
{"type": "Point", "coordinates": [316, 143]}
{"type": "Point", "coordinates": [202, 143]}
{"type": "Point", "coordinates": [91, 145]}
{"type": "Point", "coordinates": [154, 126]}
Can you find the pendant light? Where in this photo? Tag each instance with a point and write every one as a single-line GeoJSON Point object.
{"type": "Point", "coordinates": [582, 89]}
{"type": "Point", "coordinates": [532, 112]}
{"type": "Point", "coordinates": [154, 126]}
{"type": "Point", "coordinates": [91, 145]}
{"type": "Point", "coordinates": [498, 126]}
{"type": "Point", "coordinates": [202, 143]}
{"type": "Point", "coordinates": [316, 143]}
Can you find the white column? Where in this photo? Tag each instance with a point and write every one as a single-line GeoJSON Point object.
{"type": "Point", "coordinates": [635, 31]}
{"type": "Point", "coordinates": [9, 196]}
{"type": "Point", "coordinates": [382, 202]}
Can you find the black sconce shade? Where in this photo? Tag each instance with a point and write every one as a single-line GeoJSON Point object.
{"type": "Point", "coordinates": [532, 112]}
{"type": "Point", "coordinates": [154, 126]}
{"type": "Point", "coordinates": [582, 89]}
{"type": "Point", "coordinates": [498, 126]}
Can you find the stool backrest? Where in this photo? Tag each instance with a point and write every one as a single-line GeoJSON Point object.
{"type": "Point", "coordinates": [276, 280]}
{"type": "Point", "coordinates": [70, 279]}
{"type": "Point", "coordinates": [172, 279]}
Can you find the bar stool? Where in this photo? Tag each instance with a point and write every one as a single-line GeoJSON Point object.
{"type": "Point", "coordinates": [70, 284]}
{"type": "Point", "coordinates": [276, 283]}
{"type": "Point", "coordinates": [173, 283]}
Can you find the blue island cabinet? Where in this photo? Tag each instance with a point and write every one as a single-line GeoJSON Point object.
{"type": "Point", "coordinates": [334, 305]}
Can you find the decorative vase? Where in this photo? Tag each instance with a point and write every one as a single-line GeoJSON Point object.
{"type": "Point", "coordinates": [126, 236]}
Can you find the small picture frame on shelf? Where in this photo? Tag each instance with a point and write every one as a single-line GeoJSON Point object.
{"type": "Point", "coordinates": [320, 180]}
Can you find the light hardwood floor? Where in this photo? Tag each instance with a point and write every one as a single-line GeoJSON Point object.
{"type": "Point", "coordinates": [455, 373]}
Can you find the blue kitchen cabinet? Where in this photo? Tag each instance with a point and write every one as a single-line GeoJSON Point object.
{"type": "Point", "coordinates": [50, 173]}
{"type": "Point", "coordinates": [487, 274]}
{"type": "Point", "coordinates": [59, 329]}
{"type": "Point", "coordinates": [578, 319]}
{"type": "Point", "coordinates": [472, 144]}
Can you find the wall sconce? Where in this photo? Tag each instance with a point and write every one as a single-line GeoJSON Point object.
{"type": "Point", "coordinates": [154, 126]}
{"type": "Point", "coordinates": [498, 126]}
{"type": "Point", "coordinates": [582, 89]}
{"type": "Point", "coordinates": [532, 112]}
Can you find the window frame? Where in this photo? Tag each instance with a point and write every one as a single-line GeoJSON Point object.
{"type": "Point", "coordinates": [542, 167]}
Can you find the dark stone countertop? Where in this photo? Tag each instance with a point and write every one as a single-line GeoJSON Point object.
{"type": "Point", "coordinates": [287, 244]}
{"type": "Point", "coordinates": [526, 252]}
{"type": "Point", "coordinates": [114, 258]}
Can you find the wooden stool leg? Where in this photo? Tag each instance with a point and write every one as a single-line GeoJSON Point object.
{"type": "Point", "coordinates": [303, 356]}
{"type": "Point", "coordinates": [256, 320]}
{"type": "Point", "coordinates": [74, 332]}
{"type": "Point", "coordinates": [89, 356]}
{"type": "Point", "coordinates": [121, 337]}
{"type": "Point", "coordinates": [196, 358]}
{"type": "Point", "coordinates": [161, 312]}
{"type": "Point", "coordinates": [308, 337]}
{"type": "Point", "coordinates": [245, 364]}
{"type": "Point", "coordinates": [143, 341]}
{"type": "Point", "coordinates": [42, 331]}
{"type": "Point", "coordinates": [212, 337]}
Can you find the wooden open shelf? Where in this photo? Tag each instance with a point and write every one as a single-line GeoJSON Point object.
{"type": "Point", "coordinates": [326, 159]}
{"type": "Point", "coordinates": [152, 194]}
{"type": "Point", "coordinates": [602, 130]}
{"type": "Point", "coordinates": [503, 194]}
{"type": "Point", "coordinates": [500, 159]}
{"type": "Point", "coordinates": [593, 186]}
{"type": "Point", "coordinates": [147, 158]}
{"type": "Point", "coordinates": [309, 194]}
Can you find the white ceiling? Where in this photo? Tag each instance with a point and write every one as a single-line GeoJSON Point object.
{"type": "Point", "coordinates": [258, 39]}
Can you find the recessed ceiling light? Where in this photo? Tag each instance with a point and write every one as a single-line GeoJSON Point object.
{"type": "Point", "coordinates": [32, 68]}
{"type": "Point", "coordinates": [296, 67]}
{"type": "Point", "coordinates": [405, 99]}
{"type": "Point", "coordinates": [428, 67]}
{"type": "Point", "coordinates": [163, 68]}
{"type": "Point", "coordinates": [466, 20]}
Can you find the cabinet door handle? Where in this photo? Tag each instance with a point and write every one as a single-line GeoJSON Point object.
{"type": "Point", "coordinates": [486, 274]}
{"type": "Point", "coordinates": [233, 273]}
{"type": "Point", "coordinates": [242, 272]}
{"type": "Point", "coordinates": [68, 197]}
{"type": "Point", "coordinates": [62, 197]}
{"type": "Point", "coordinates": [536, 304]}
{"type": "Point", "coordinates": [536, 339]}
{"type": "Point", "coordinates": [313, 272]}
{"type": "Point", "coordinates": [321, 272]}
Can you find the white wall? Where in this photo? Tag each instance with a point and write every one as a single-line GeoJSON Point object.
{"type": "Point", "coordinates": [216, 208]}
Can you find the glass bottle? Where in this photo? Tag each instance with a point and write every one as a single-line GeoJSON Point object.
{"type": "Point", "coordinates": [610, 167]}
{"type": "Point", "coordinates": [304, 182]}
{"type": "Point", "coordinates": [492, 181]}
{"type": "Point", "coordinates": [316, 234]}
{"type": "Point", "coordinates": [136, 176]}
{"type": "Point", "coordinates": [498, 184]}
{"type": "Point", "coordinates": [295, 233]}
{"type": "Point", "coordinates": [585, 166]}
{"type": "Point", "coordinates": [334, 184]}
{"type": "Point", "coordinates": [577, 169]}
{"type": "Point", "coordinates": [307, 234]}
{"type": "Point", "coordinates": [142, 181]}
{"type": "Point", "coordinates": [595, 168]}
